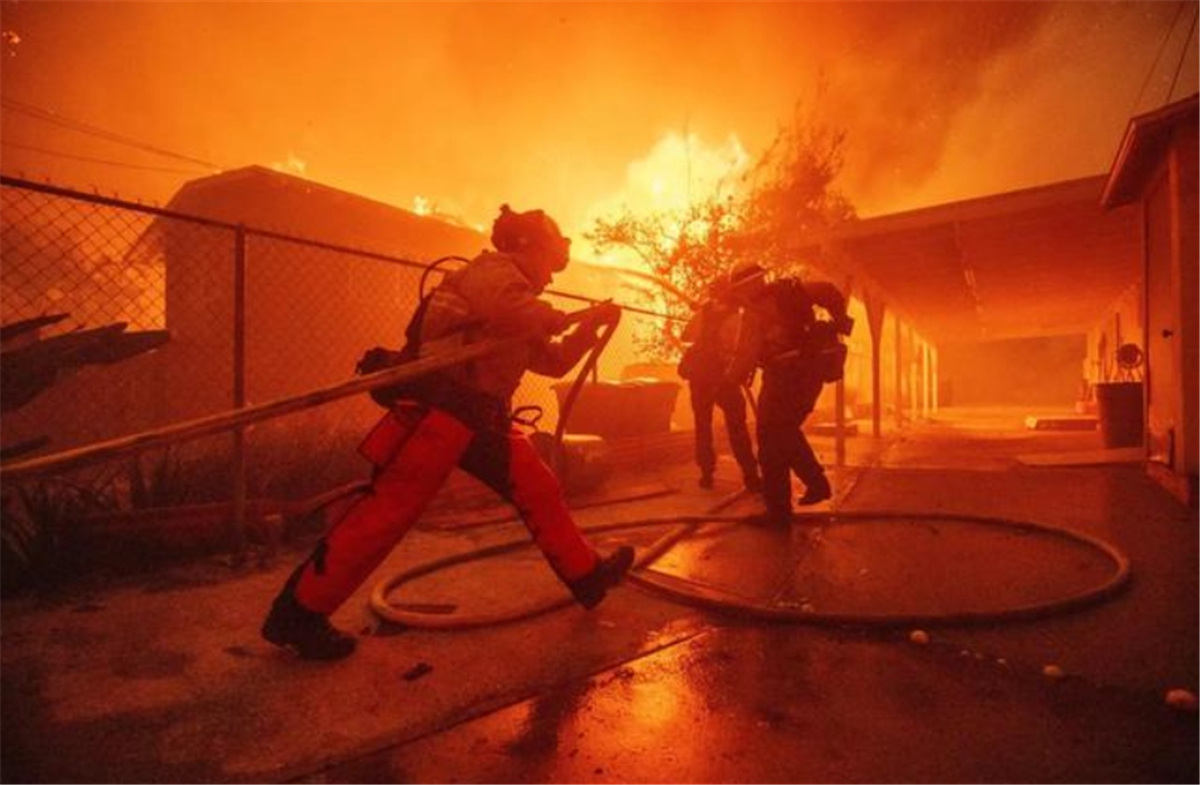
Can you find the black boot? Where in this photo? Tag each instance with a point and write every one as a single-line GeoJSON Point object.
{"type": "Point", "coordinates": [591, 588]}
{"type": "Point", "coordinates": [308, 633]}
{"type": "Point", "coordinates": [752, 482]}
{"type": "Point", "coordinates": [815, 492]}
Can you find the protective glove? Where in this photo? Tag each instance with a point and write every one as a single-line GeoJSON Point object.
{"type": "Point", "coordinates": [600, 314]}
{"type": "Point", "coordinates": [556, 321]}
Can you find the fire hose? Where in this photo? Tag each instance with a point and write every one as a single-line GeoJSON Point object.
{"type": "Point", "coordinates": [12, 471]}
{"type": "Point", "coordinates": [222, 422]}
{"type": "Point", "coordinates": [684, 526]}
{"type": "Point", "coordinates": [589, 365]}
{"type": "Point", "coordinates": [698, 596]}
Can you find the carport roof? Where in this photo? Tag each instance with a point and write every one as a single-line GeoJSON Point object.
{"type": "Point", "coordinates": [1042, 261]}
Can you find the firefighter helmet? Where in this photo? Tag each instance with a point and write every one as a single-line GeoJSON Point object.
{"type": "Point", "coordinates": [747, 281]}
{"type": "Point", "coordinates": [744, 272]}
{"type": "Point", "coordinates": [531, 232]}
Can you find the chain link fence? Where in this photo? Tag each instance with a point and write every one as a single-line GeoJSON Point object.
{"type": "Point", "coordinates": [121, 319]}
{"type": "Point", "coordinates": [193, 316]}
{"type": "Point", "coordinates": [95, 271]}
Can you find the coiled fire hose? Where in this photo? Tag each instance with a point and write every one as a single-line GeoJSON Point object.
{"type": "Point", "coordinates": [684, 526]}
{"type": "Point", "coordinates": [695, 595]}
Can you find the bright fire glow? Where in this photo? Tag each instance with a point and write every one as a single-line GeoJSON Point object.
{"type": "Point", "coordinates": [293, 164]}
{"type": "Point", "coordinates": [678, 171]}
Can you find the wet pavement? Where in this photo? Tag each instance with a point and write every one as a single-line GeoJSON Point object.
{"type": "Point", "coordinates": [772, 705]}
{"type": "Point", "coordinates": [163, 677]}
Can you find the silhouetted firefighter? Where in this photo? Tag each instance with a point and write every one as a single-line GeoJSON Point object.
{"type": "Point", "coordinates": [798, 354]}
{"type": "Point", "coordinates": [459, 417]}
{"type": "Point", "coordinates": [715, 378]}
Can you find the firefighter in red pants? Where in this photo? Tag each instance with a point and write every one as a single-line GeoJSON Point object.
{"type": "Point", "coordinates": [459, 417]}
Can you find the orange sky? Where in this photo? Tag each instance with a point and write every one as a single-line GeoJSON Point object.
{"type": "Point", "coordinates": [557, 105]}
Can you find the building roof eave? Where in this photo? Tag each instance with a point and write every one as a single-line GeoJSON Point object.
{"type": "Point", "coordinates": [1141, 149]}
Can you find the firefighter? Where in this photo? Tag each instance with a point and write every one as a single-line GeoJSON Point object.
{"type": "Point", "coordinates": [460, 417]}
{"type": "Point", "coordinates": [798, 355]}
{"type": "Point", "coordinates": [715, 380]}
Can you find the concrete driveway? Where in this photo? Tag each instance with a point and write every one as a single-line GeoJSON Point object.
{"type": "Point", "coordinates": [162, 677]}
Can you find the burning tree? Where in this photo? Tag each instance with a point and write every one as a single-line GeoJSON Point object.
{"type": "Point", "coordinates": [792, 197]}
{"type": "Point", "coordinates": [788, 195]}
{"type": "Point", "coordinates": [682, 252]}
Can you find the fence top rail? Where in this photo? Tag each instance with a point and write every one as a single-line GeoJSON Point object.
{"type": "Point", "coordinates": [112, 201]}
{"type": "Point", "coordinates": [240, 418]}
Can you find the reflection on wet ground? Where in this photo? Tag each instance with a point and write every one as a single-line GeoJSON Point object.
{"type": "Point", "coordinates": [740, 700]}
{"type": "Point", "coordinates": [887, 564]}
{"type": "Point", "coordinates": [176, 684]}
{"type": "Point", "coordinates": [746, 704]}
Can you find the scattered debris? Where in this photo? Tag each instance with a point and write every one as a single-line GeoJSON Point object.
{"type": "Point", "coordinates": [919, 637]}
{"type": "Point", "coordinates": [417, 671]}
{"type": "Point", "coordinates": [1182, 700]}
{"type": "Point", "coordinates": [1053, 672]}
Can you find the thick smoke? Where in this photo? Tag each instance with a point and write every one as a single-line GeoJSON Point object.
{"type": "Point", "coordinates": [547, 105]}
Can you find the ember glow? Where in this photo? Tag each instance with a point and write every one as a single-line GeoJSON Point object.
{"type": "Point", "coordinates": [422, 206]}
{"type": "Point", "coordinates": [291, 165]}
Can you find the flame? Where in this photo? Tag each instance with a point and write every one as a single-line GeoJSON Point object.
{"type": "Point", "coordinates": [11, 39]}
{"type": "Point", "coordinates": [679, 170]}
{"type": "Point", "coordinates": [293, 164]}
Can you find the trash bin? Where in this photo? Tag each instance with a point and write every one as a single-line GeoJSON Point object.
{"type": "Point", "coordinates": [615, 410]}
{"type": "Point", "coordinates": [1119, 408]}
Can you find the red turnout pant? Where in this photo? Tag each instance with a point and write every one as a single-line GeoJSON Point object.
{"type": "Point", "coordinates": [414, 449]}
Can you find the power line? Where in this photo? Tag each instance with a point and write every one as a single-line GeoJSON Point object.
{"type": "Point", "coordinates": [59, 154]}
{"type": "Point", "coordinates": [79, 126]}
{"type": "Point", "coordinates": [1158, 56]}
{"type": "Point", "coordinates": [85, 128]}
{"type": "Point", "coordinates": [1183, 54]}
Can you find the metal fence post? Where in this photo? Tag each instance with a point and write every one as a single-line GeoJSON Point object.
{"type": "Point", "coordinates": [238, 522]}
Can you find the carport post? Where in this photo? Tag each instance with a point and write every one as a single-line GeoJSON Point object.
{"type": "Point", "coordinates": [899, 374]}
{"type": "Point", "coordinates": [875, 311]}
{"type": "Point", "coordinates": [926, 400]}
{"type": "Point", "coordinates": [912, 376]}
{"type": "Point", "coordinates": [933, 374]}
{"type": "Point", "coordinates": [840, 399]}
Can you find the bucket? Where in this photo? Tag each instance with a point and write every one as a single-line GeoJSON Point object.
{"type": "Point", "coordinates": [1119, 407]}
